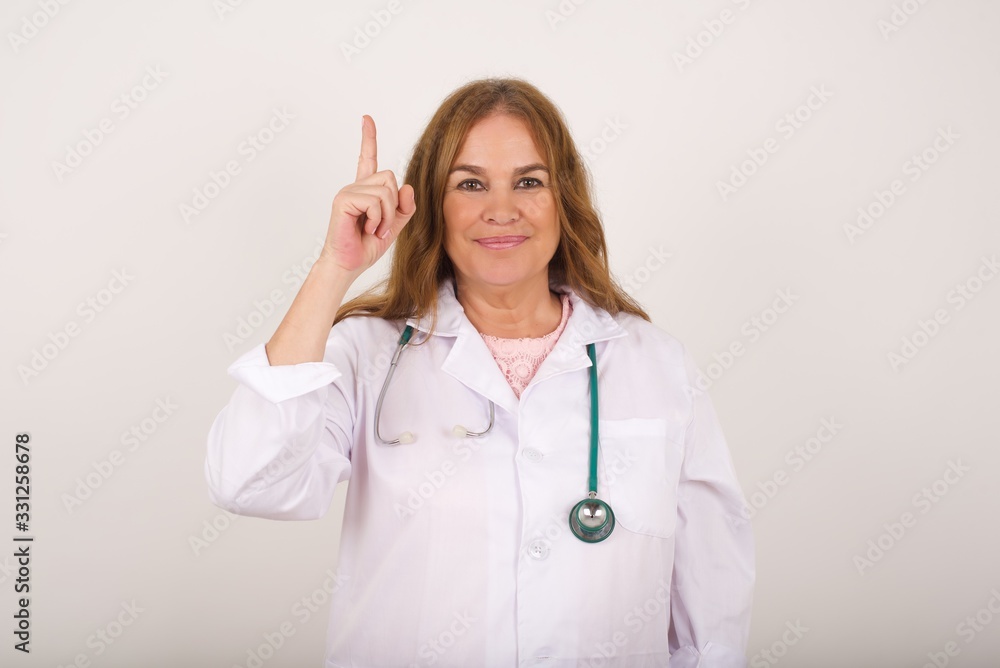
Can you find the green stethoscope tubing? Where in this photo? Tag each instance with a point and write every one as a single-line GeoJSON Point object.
{"type": "Point", "coordinates": [590, 520]}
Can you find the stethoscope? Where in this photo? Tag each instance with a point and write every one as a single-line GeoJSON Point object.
{"type": "Point", "coordinates": [591, 520]}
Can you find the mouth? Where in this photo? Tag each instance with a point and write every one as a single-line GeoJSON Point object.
{"type": "Point", "coordinates": [500, 243]}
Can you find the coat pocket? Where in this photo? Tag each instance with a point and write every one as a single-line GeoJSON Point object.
{"type": "Point", "coordinates": [641, 458]}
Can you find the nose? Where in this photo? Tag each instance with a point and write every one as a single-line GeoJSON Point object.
{"type": "Point", "coordinates": [500, 207]}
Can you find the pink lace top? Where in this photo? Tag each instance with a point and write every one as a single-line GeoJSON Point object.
{"type": "Point", "coordinates": [519, 359]}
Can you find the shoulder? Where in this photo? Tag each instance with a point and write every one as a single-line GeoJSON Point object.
{"type": "Point", "coordinates": [650, 340]}
{"type": "Point", "coordinates": [652, 368]}
{"type": "Point", "coordinates": [365, 335]}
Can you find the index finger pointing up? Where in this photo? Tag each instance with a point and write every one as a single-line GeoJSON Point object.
{"type": "Point", "coordinates": [368, 160]}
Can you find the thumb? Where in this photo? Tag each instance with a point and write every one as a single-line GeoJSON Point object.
{"type": "Point", "coordinates": [407, 201]}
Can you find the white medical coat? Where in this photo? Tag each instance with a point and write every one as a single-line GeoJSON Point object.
{"type": "Point", "coordinates": [457, 551]}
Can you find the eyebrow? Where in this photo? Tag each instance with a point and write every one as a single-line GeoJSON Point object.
{"type": "Point", "coordinates": [479, 171]}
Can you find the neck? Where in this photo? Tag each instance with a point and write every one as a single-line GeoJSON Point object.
{"type": "Point", "coordinates": [524, 310]}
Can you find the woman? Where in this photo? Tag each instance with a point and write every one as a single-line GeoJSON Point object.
{"type": "Point", "coordinates": [487, 543]}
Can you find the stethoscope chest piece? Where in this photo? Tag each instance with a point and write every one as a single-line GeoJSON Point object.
{"type": "Point", "coordinates": [591, 520]}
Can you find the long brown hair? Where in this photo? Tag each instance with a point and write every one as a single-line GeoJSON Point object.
{"type": "Point", "coordinates": [419, 262]}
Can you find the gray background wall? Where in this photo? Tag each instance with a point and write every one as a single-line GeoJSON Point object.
{"type": "Point", "coordinates": [843, 99]}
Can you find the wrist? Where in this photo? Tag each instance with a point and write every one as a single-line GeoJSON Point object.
{"type": "Point", "coordinates": [330, 272]}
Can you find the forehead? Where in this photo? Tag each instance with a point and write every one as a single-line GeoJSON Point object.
{"type": "Point", "coordinates": [499, 139]}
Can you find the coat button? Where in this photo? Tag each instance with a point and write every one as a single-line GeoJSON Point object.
{"type": "Point", "coordinates": [532, 455]}
{"type": "Point", "coordinates": [538, 549]}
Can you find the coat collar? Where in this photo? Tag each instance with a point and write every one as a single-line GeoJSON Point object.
{"type": "Point", "coordinates": [471, 362]}
{"type": "Point", "coordinates": [586, 324]}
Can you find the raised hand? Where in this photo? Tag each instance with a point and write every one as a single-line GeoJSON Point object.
{"type": "Point", "coordinates": [368, 214]}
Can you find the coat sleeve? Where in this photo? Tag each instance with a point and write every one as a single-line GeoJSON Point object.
{"type": "Point", "coordinates": [714, 565]}
{"type": "Point", "coordinates": [281, 445]}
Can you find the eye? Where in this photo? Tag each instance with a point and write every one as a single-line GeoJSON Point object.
{"type": "Point", "coordinates": [471, 182]}
{"type": "Point", "coordinates": [534, 183]}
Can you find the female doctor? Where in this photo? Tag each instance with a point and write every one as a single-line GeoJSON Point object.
{"type": "Point", "coordinates": [535, 477]}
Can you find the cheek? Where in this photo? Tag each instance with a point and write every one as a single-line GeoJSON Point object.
{"type": "Point", "coordinates": [455, 213]}
{"type": "Point", "coordinates": [447, 208]}
{"type": "Point", "coordinates": [542, 206]}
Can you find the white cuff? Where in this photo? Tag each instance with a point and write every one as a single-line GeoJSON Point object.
{"type": "Point", "coordinates": [278, 383]}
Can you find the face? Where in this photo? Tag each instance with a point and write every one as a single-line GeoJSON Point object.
{"type": "Point", "coordinates": [501, 227]}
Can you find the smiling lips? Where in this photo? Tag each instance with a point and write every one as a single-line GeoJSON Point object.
{"type": "Point", "coordinates": [500, 243]}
